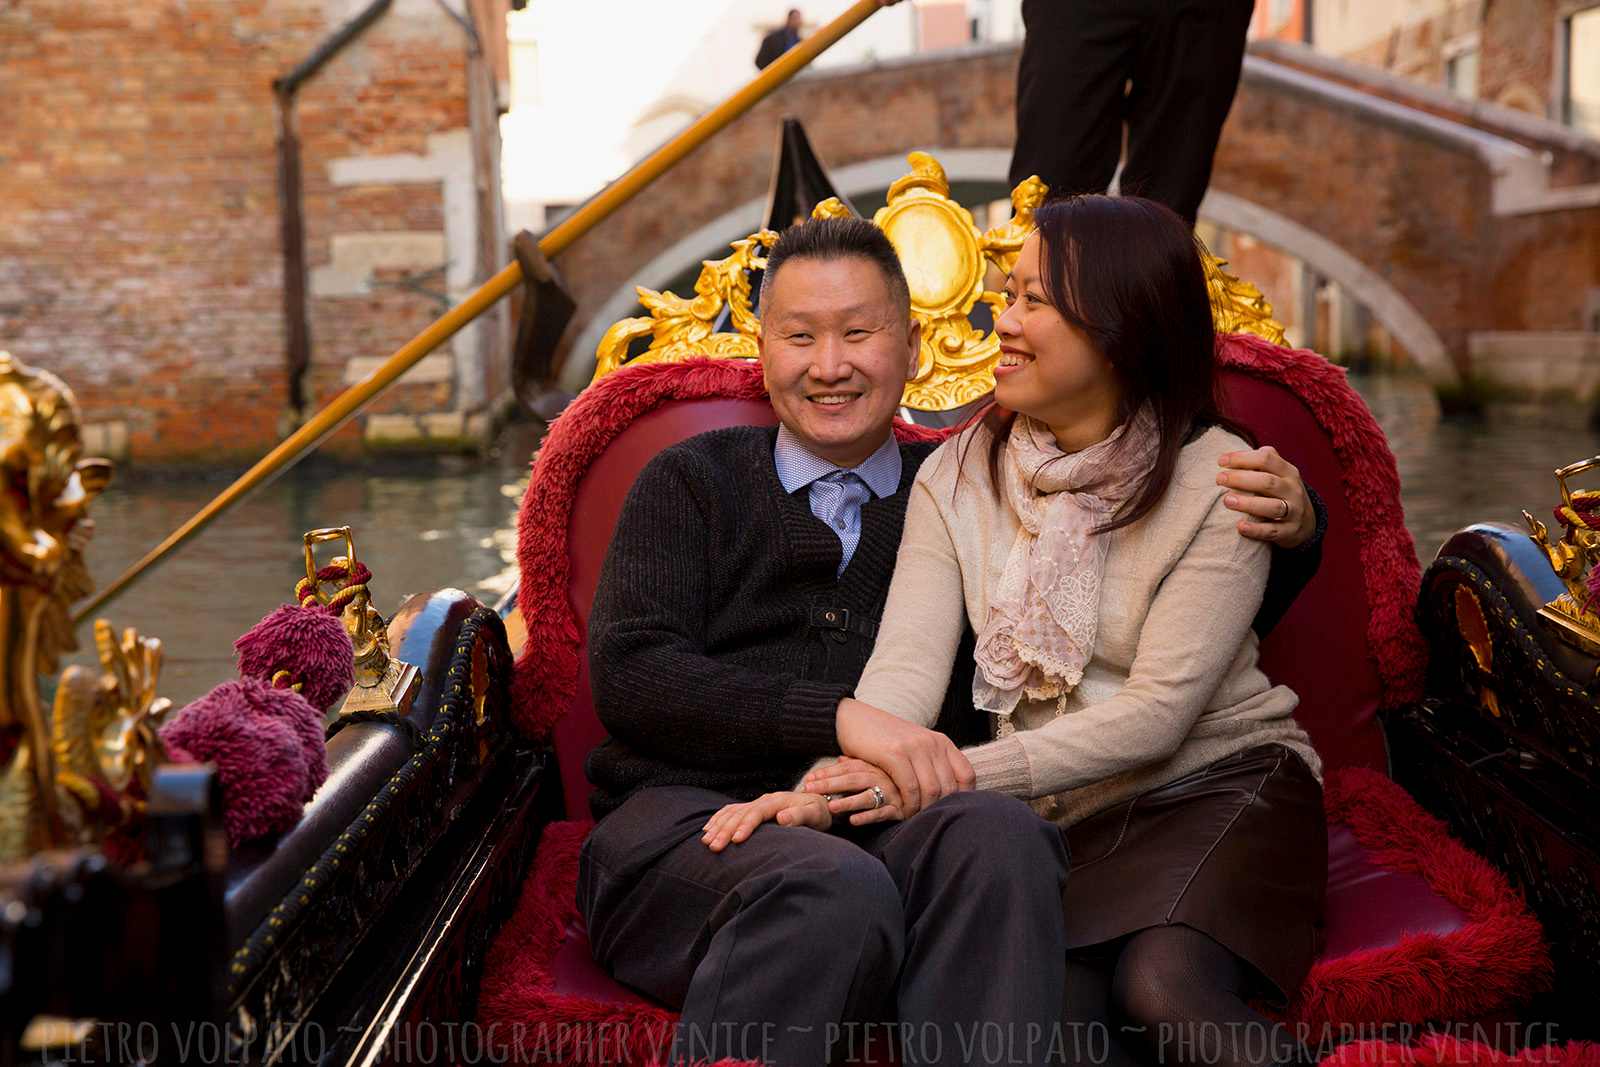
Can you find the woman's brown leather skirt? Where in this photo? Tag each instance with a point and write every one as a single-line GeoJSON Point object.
{"type": "Point", "coordinates": [1237, 850]}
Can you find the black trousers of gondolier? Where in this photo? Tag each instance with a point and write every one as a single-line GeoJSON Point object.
{"type": "Point", "coordinates": [1181, 58]}
{"type": "Point", "coordinates": [796, 941]}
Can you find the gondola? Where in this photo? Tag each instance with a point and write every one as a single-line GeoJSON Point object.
{"type": "Point", "coordinates": [420, 908]}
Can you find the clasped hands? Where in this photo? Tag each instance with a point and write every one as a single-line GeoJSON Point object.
{"type": "Point", "coordinates": [912, 765]}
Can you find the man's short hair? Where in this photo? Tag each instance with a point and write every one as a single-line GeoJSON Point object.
{"type": "Point", "coordinates": [838, 238]}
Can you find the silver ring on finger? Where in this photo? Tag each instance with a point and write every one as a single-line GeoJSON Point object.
{"type": "Point", "coordinates": [1284, 514]}
{"type": "Point", "coordinates": [827, 798]}
{"type": "Point", "coordinates": [878, 799]}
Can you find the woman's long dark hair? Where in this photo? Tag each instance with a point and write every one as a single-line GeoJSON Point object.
{"type": "Point", "coordinates": [1128, 273]}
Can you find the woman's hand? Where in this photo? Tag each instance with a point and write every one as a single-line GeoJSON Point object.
{"type": "Point", "coordinates": [923, 764]}
{"type": "Point", "coordinates": [1268, 491]}
{"type": "Point", "coordinates": [736, 822]}
{"type": "Point", "coordinates": [849, 783]}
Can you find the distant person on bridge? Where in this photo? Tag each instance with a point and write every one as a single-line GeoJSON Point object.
{"type": "Point", "coordinates": [1167, 68]}
{"type": "Point", "coordinates": [779, 40]}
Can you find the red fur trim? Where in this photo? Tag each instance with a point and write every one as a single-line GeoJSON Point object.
{"type": "Point", "coordinates": [522, 1015]}
{"type": "Point", "coordinates": [1372, 486]}
{"type": "Point", "coordinates": [1498, 959]}
{"type": "Point", "coordinates": [517, 1002]}
{"type": "Point", "coordinates": [547, 671]}
{"type": "Point", "coordinates": [1442, 1050]}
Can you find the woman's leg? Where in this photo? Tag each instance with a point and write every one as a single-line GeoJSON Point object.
{"type": "Point", "coordinates": [1180, 997]}
{"type": "Point", "coordinates": [1087, 1035]}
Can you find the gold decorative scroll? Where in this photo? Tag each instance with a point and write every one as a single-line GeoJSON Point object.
{"type": "Point", "coordinates": [680, 328]}
{"type": "Point", "coordinates": [946, 259]}
{"type": "Point", "coordinates": [81, 767]}
{"type": "Point", "coordinates": [1575, 614]}
{"type": "Point", "coordinates": [1238, 306]}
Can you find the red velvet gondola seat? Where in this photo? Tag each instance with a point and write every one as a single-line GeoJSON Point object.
{"type": "Point", "coordinates": [1417, 927]}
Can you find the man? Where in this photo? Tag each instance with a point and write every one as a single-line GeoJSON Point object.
{"type": "Point", "coordinates": [779, 40]}
{"type": "Point", "coordinates": [735, 612]}
{"type": "Point", "coordinates": [1167, 68]}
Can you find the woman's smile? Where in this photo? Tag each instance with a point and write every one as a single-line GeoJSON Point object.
{"type": "Point", "coordinates": [1011, 361]}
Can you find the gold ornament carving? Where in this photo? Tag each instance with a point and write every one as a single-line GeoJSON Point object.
{"type": "Point", "coordinates": [1575, 614]}
{"type": "Point", "coordinates": [946, 260]}
{"type": "Point", "coordinates": [680, 328]}
{"type": "Point", "coordinates": [1237, 306]}
{"type": "Point", "coordinates": [84, 768]}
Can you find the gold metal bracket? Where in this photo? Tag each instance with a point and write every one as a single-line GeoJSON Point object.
{"type": "Point", "coordinates": [1575, 614]}
{"type": "Point", "coordinates": [382, 682]}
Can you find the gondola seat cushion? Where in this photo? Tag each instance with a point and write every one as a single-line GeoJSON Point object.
{"type": "Point", "coordinates": [1417, 926]}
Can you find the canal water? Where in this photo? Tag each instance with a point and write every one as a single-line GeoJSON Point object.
{"type": "Point", "coordinates": [422, 524]}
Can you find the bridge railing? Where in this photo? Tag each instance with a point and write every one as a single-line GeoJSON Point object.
{"type": "Point", "coordinates": [353, 400]}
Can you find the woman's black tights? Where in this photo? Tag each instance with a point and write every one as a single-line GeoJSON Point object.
{"type": "Point", "coordinates": [1169, 995]}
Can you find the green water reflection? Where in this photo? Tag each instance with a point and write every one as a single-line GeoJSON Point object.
{"type": "Point", "coordinates": [425, 524]}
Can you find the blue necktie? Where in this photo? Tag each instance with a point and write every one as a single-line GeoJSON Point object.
{"type": "Point", "coordinates": [836, 499]}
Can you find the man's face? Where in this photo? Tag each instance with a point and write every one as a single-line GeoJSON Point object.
{"type": "Point", "coordinates": [794, 21]}
{"type": "Point", "coordinates": [836, 351]}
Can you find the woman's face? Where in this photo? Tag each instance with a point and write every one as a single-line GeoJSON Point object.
{"type": "Point", "coordinates": [1049, 369]}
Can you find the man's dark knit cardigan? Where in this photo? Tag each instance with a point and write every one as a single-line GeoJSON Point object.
{"type": "Point", "coordinates": [721, 642]}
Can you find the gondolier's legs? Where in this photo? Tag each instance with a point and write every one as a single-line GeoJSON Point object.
{"type": "Point", "coordinates": [1169, 68]}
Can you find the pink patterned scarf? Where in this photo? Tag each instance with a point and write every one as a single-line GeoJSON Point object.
{"type": "Point", "coordinates": [1044, 615]}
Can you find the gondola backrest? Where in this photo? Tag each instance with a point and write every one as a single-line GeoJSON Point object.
{"type": "Point", "coordinates": [600, 499]}
{"type": "Point", "coordinates": [1347, 646]}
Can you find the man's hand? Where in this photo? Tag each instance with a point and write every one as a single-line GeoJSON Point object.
{"type": "Point", "coordinates": [736, 822]}
{"type": "Point", "coordinates": [924, 764]}
{"type": "Point", "coordinates": [849, 782]}
{"type": "Point", "coordinates": [1268, 491]}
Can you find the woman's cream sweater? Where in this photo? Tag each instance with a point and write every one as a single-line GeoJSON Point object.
{"type": "Point", "coordinates": [1172, 685]}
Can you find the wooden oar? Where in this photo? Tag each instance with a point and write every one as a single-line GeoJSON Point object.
{"type": "Point", "coordinates": [352, 400]}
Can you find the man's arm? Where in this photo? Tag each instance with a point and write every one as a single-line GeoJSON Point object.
{"type": "Point", "coordinates": [655, 688]}
{"type": "Point", "coordinates": [1279, 508]}
{"type": "Point", "coordinates": [1292, 570]}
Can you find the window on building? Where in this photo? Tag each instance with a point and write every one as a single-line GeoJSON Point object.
{"type": "Point", "coordinates": [1580, 98]}
{"type": "Point", "coordinates": [1461, 73]}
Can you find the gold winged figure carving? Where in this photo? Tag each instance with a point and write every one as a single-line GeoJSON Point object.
{"type": "Point", "coordinates": [79, 769]}
{"type": "Point", "coordinates": [947, 261]}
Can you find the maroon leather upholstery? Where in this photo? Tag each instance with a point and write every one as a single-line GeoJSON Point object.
{"type": "Point", "coordinates": [594, 515]}
{"type": "Point", "coordinates": [578, 975]}
{"type": "Point", "coordinates": [1370, 907]}
{"type": "Point", "coordinates": [1319, 649]}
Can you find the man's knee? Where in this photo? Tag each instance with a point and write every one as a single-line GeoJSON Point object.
{"type": "Point", "coordinates": [842, 892]}
{"type": "Point", "coordinates": [986, 826]}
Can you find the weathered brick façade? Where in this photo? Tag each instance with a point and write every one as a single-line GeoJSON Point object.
{"type": "Point", "coordinates": [140, 253]}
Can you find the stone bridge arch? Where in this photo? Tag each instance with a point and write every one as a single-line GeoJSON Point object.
{"type": "Point", "coordinates": [1387, 304]}
{"type": "Point", "coordinates": [1444, 229]}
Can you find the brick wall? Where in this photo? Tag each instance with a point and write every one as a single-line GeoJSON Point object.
{"type": "Point", "coordinates": [140, 252]}
{"type": "Point", "coordinates": [1516, 48]}
{"type": "Point", "coordinates": [1411, 206]}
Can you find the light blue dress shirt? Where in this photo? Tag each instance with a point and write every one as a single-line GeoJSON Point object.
{"type": "Point", "coordinates": [836, 493]}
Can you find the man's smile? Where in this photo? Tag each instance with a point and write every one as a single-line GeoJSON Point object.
{"type": "Point", "coordinates": [833, 400]}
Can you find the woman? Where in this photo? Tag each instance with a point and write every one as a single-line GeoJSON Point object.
{"type": "Point", "coordinates": [1080, 529]}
